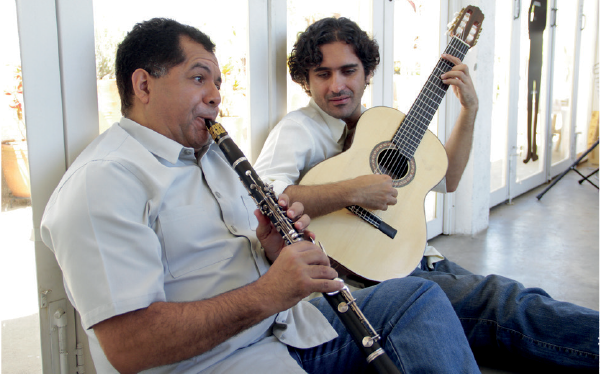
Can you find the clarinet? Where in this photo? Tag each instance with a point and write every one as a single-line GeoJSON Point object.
{"type": "Point", "coordinates": [342, 302]}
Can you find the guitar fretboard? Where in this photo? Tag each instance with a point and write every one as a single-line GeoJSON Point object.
{"type": "Point", "coordinates": [415, 124]}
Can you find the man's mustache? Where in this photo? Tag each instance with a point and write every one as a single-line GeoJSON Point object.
{"type": "Point", "coordinates": [339, 94]}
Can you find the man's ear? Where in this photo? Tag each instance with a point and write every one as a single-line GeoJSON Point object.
{"type": "Point", "coordinates": [368, 78]}
{"type": "Point", "coordinates": [140, 80]}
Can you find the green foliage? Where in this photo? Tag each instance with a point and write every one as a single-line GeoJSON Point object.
{"type": "Point", "coordinates": [106, 49]}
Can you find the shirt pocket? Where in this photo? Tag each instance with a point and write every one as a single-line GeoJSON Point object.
{"type": "Point", "coordinates": [193, 239]}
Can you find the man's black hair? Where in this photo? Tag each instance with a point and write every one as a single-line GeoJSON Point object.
{"type": "Point", "coordinates": [307, 55]}
{"type": "Point", "coordinates": [154, 46]}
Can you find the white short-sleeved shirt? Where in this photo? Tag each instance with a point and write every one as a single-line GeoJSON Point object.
{"type": "Point", "coordinates": [138, 219]}
{"type": "Point", "coordinates": [302, 139]}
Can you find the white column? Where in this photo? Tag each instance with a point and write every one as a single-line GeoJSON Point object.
{"type": "Point", "coordinates": [469, 207]}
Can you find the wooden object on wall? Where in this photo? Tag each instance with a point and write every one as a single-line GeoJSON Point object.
{"type": "Point", "coordinates": [592, 137]}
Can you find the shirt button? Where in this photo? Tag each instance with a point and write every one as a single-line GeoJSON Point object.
{"type": "Point", "coordinates": [188, 152]}
{"type": "Point", "coordinates": [233, 228]}
{"type": "Point", "coordinates": [218, 195]}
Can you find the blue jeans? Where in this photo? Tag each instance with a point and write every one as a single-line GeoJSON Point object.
{"type": "Point", "coordinates": [419, 330]}
{"type": "Point", "coordinates": [506, 322]}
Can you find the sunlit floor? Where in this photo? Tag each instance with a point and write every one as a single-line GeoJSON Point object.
{"type": "Point", "coordinates": [551, 243]}
{"type": "Point", "coordinates": [21, 351]}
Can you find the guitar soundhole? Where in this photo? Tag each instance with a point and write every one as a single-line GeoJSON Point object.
{"type": "Point", "coordinates": [392, 163]}
{"type": "Point", "coordinates": [386, 159]}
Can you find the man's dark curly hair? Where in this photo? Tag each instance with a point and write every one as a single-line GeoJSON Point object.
{"type": "Point", "coordinates": [152, 45]}
{"type": "Point", "coordinates": [306, 53]}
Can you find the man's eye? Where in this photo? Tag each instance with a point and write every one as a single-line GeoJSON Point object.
{"type": "Point", "coordinates": [199, 78]}
{"type": "Point", "coordinates": [349, 71]}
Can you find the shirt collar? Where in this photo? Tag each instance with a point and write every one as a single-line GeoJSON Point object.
{"type": "Point", "coordinates": [336, 126]}
{"type": "Point", "coordinates": [158, 144]}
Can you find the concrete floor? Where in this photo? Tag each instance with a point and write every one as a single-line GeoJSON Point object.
{"type": "Point", "coordinates": [551, 243]}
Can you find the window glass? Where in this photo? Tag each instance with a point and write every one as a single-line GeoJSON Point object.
{"type": "Point", "coordinates": [498, 147]}
{"type": "Point", "coordinates": [533, 90]}
{"type": "Point", "coordinates": [588, 82]}
{"type": "Point", "coordinates": [416, 52]}
{"type": "Point", "coordinates": [19, 314]}
{"type": "Point", "coordinates": [560, 125]}
{"type": "Point", "coordinates": [114, 18]}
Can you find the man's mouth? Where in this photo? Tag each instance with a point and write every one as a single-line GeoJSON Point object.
{"type": "Point", "coordinates": [340, 100]}
{"type": "Point", "coordinates": [203, 119]}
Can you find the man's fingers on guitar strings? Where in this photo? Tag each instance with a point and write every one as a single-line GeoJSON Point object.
{"type": "Point", "coordinates": [456, 80]}
{"type": "Point", "coordinates": [454, 60]}
{"type": "Point", "coordinates": [459, 71]}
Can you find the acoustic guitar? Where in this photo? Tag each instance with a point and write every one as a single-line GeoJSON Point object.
{"type": "Point", "coordinates": [380, 245]}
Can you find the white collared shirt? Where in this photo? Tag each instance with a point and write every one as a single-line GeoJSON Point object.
{"type": "Point", "coordinates": [138, 219]}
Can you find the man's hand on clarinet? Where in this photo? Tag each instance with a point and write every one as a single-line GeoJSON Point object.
{"type": "Point", "coordinates": [268, 235]}
{"type": "Point", "coordinates": [299, 269]}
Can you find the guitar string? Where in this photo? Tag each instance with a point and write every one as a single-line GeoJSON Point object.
{"type": "Point", "coordinates": [407, 139]}
{"type": "Point", "coordinates": [406, 133]}
{"type": "Point", "coordinates": [434, 90]}
{"type": "Point", "coordinates": [425, 110]}
{"type": "Point", "coordinates": [420, 110]}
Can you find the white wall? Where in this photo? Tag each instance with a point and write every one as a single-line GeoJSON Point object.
{"type": "Point", "coordinates": [469, 208]}
{"type": "Point", "coordinates": [596, 94]}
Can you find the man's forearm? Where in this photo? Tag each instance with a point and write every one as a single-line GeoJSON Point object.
{"type": "Point", "coordinates": [372, 191]}
{"type": "Point", "coordinates": [166, 333]}
{"type": "Point", "coordinates": [458, 147]}
{"type": "Point", "coordinates": [320, 200]}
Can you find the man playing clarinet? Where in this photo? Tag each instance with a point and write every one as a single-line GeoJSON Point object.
{"type": "Point", "coordinates": [173, 270]}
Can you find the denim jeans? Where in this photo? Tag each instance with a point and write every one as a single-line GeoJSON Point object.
{"type": "Point", "coordinates": [419, 329]}
{"type": "Point", "coordinates": [524, 327]}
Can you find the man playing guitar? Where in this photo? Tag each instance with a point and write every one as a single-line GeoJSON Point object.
{"type": "Point", "coordinates": [333, 61]}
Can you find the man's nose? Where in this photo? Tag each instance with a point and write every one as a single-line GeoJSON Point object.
{"type": "Point", "coordinates": [213, 96]}
{"type": "Point", "coordinates": [338, 82]}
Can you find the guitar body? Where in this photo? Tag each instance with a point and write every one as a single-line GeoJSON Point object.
{"type": "Point", "coordinates": [349, 239]}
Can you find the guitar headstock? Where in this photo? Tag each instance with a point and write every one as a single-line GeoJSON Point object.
{"type": "Point", "coordinates": [467, 25]}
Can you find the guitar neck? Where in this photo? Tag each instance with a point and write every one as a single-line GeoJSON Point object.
{"type": "Point", "coordinates": [415, 124]}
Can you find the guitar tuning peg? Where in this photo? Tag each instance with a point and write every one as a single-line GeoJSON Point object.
{"type": "Point", "coordinates": [476, 38]}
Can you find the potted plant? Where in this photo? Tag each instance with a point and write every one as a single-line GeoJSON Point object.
{"type": "Point", "coordinates": [15, 164]}
{"type": "Point", "coordinates": [109, 103]}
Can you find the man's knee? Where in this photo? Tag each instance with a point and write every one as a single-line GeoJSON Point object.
{"type": "Point", "coordinates": [411, 288]}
